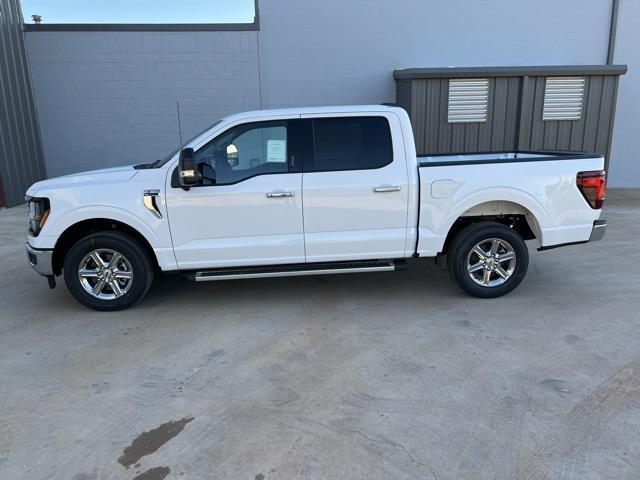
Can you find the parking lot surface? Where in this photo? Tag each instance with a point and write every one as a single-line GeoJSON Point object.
{"type": "Point", "coordinates": [365, 376]}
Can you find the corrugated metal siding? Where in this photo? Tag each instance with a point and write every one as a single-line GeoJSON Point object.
{"type": "Point", "coordinates": [514, 114]}
{"type": "Point", "coordinates": [21, 158]}
{"type": "Point", "coordinates": [592, 132]}
{"type": "Point", "coordinates": [428, 109]}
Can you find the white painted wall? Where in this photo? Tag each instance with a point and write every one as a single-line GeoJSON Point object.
{"type": "Point", "coordinates": [339, 52]}
{"type": "Point", "coordinates": [625, 154]}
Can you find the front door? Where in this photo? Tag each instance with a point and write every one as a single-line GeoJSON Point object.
{"type": "Point", "coordinates": [355, 188]}
{"type": "Point", "coordinates": [248, 210]}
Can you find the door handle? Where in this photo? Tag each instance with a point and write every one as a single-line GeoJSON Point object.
{"type": "Point", "coordinates": [279, 194]}
{"type": "Point", "coordinates": [386, 189]}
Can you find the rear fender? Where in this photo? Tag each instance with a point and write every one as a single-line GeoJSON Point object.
{"type": "Point", "coordinates": [436, 224]}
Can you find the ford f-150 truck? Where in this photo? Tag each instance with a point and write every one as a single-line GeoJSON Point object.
{"type": "Point", "coordinates": [304, 192]}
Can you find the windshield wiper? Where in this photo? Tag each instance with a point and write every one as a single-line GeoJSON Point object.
{"type": "Point", "coordinates": [146, 166]}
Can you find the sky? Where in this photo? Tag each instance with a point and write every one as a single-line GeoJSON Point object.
{"type": "Point", "coordinates": [139, 11]}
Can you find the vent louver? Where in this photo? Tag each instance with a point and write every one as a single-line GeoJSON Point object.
{"type": "Point", "coordinates": [468, 100]}
{"type": "Point", "coordinates": [563, 97]}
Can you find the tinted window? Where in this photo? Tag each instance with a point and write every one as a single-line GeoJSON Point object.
{"type": "Point", "coordinates": [243, 152]}
{"type": "Point", "coordinates": [351, 143]}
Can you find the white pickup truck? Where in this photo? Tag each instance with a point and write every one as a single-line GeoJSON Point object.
{"type": "Point", "coordinates": [309, 191]}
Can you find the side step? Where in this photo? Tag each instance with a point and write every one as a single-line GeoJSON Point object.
{"type": "Point", "coordinates": [296, 269]}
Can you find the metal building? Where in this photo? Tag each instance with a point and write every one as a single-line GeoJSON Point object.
{"type": "Point", "coordinates": [510, 108]}
{"type": "Point", "coordinates": [21, 157]}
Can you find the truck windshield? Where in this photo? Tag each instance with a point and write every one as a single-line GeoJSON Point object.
{"type": "Point", "coordinates": [159, 163]}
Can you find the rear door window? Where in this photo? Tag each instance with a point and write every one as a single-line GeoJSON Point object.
{"type": "Point", "coordinates": [350, 143]}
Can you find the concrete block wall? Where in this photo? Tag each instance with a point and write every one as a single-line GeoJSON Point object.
{"type": "Point", "coordinates": [109, 98]}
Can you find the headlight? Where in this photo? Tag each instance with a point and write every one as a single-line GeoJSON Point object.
{"type": "Point", "coordinates": [38, 213]}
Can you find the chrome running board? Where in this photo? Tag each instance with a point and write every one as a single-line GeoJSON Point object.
{"type": "Point", "coordinates": [329, 268]}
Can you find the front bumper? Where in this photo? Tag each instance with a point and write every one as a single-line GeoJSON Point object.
{"type": "Point", "coordinates": [598, 231]}
{"type": "Point", "coordinates": [40, 260]}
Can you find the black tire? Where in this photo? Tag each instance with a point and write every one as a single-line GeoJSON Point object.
{"type": "Point", "coordinates": [139, 263]}
{"type": "Point", "coordinates": [460, 258]}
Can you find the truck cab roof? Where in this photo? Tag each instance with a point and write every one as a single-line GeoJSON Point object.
{"type": "Point", "coordinates": [275, 112]}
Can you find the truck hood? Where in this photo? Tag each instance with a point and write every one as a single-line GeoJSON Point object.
{"type": "Point", "coordinates": [97, 177]}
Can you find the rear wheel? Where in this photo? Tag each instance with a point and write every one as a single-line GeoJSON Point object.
{"type": "Point", "coordinates": [108, 271]}
{"type": "Point", "coordinates": [488, 259]}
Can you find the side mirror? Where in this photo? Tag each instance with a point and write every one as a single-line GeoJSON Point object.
{"type": "Point", "coordinates": [188, 174]}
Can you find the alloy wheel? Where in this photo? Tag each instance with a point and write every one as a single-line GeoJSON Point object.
{"type": "Point", "coordinates": [105, 274]}
{"type": "Point", "coordinates": [491, 262]}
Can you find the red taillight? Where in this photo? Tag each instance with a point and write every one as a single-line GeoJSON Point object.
{"type": "Point", "coordinates": [593, 186]}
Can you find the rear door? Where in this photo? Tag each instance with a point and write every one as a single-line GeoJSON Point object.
{"type": "Point", "coordinates": [355, 187]}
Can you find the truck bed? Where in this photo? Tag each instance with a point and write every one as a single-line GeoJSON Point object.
{"type": "Point", "coordinates": [438, 160]}
{"type": "Point", "coordinates": [541, 185]}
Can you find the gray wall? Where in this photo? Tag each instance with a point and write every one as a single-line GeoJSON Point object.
{"type": "Point", "coordinates": [625, 154]}
{"type": "Point", "coordinates": [337, 51]}
{"type": "Point", "coordinates": [21, 161]}
{"type": "Point", "coordinates": [109, 98]}
{"type": "Point", "coordinates": [345, 52]}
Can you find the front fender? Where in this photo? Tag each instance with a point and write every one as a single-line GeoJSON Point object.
{"type": "Point", "coordinates": [154, 230]}
{"type": "Point", "coordinates": [110, 195]}
{"type": "Point", "coordinates": [146, 229]}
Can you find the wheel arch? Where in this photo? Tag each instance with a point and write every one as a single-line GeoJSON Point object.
{"type": "Point", "coordinates": [508, 212]}
{"type": "Point", "coordinates": [79, 230]}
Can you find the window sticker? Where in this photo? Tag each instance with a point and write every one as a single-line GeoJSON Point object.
{"type": "Point", "coordinates": [277, 151]}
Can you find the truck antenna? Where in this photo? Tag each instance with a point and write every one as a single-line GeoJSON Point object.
{"type": "Point", "coordinates": [179, 125]}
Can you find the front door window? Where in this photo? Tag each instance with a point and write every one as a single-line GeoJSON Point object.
{"type": "Point", "coordinates": [244, 152]}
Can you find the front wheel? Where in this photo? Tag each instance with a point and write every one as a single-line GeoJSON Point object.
{"type": "Point", "coordinates": [108, 271]}
{"type": "Point", "coordinates": [488, 259]}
